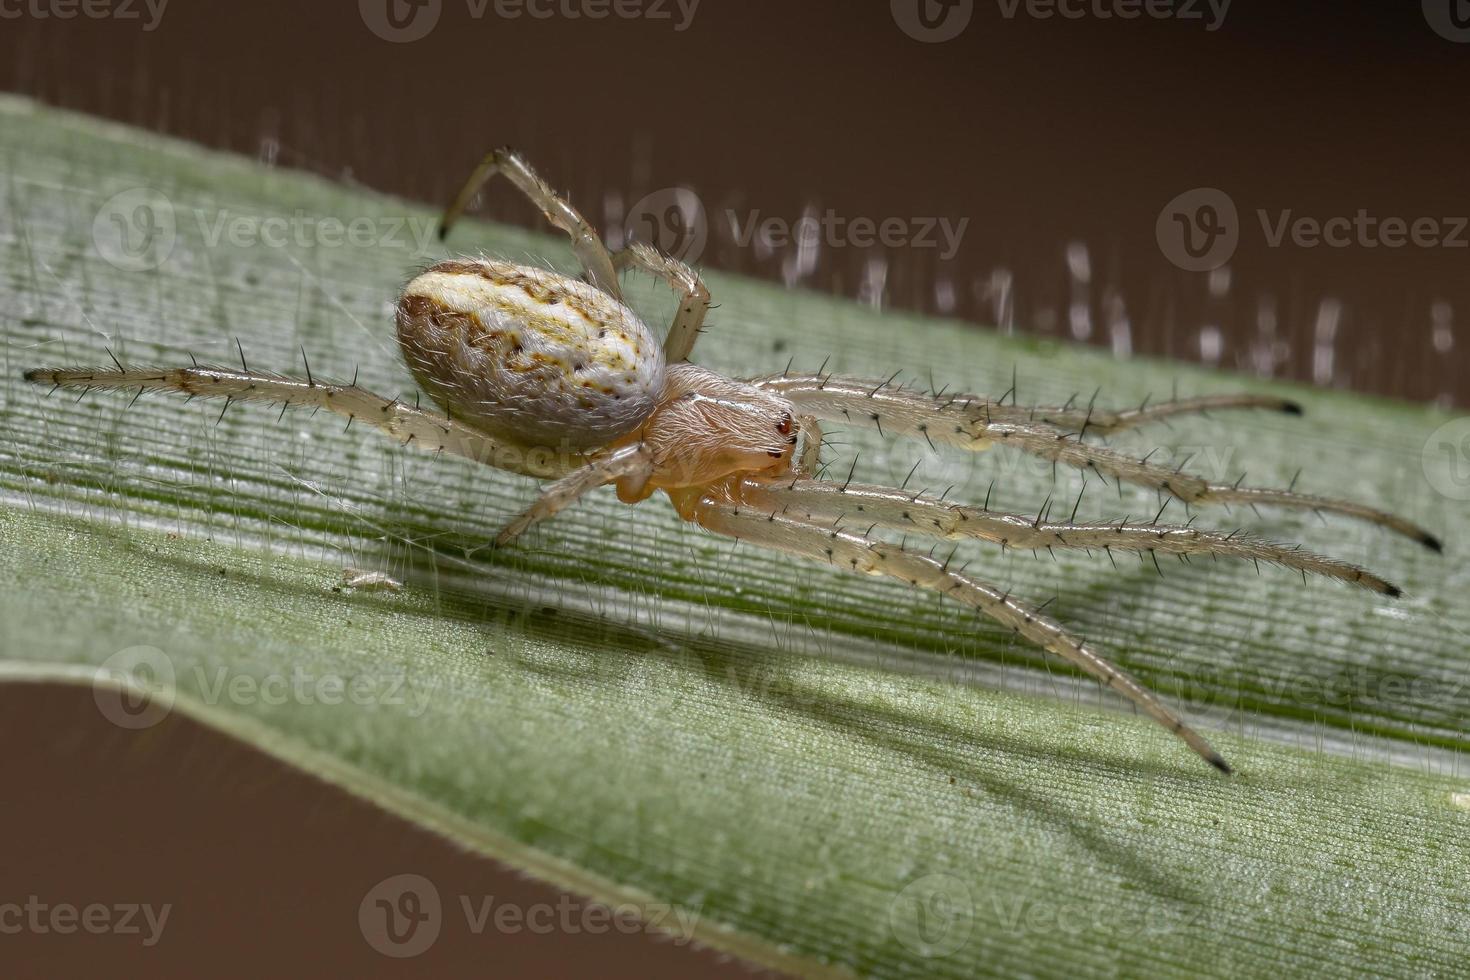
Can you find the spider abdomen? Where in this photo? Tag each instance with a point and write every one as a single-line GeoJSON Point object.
{"type": "Point", "coordinates": [528, 355]}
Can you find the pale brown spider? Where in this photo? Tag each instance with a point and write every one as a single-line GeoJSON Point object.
{"type": "Point", "coordinates": [553, 377]}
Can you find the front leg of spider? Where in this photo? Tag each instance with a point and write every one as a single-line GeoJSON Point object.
{"type": "Point", "coordinates": [973, 423]}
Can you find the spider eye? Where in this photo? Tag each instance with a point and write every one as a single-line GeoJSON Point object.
{"type": "Point", "coordinates": [784, 426]}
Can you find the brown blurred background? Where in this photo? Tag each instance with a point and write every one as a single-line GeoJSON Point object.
{"type": "Point", "coordinates": [253, 869]}
{"type": "Point", "coordinates": [1060, 140]}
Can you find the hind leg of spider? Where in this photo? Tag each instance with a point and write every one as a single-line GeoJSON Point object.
{"type": "Point", "coordinates": [857, 505]}
{"type": "Point", "coordinates": [588, 247]}
{"type": "Point", "coordinates": [854, 552]}
{"type": "Point", "coordinates": [407, 424]}
{"type": "Point", "coordinates": [631, 465]}
{"type": "Point", "coordinates": [687, 286]}
{"type": "Point", "coordinates": [897, 412]}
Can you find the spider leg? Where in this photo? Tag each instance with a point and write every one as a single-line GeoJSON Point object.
{"type": "Point", "coordinates": [586, 244]}
{"type": "Point", "coordinates": [826, 503]}
{"type": "Point", "coordinates": [1105, 422]}
{"type": "Point", "coordinates": [859, 554]}
{"type": "Point", "coordinates": [895, 403]}
{"type": "Point", "coordinates": [405, 423]}
{"type": "Point", "coordinates": [686, 284]}
{"type": "Point", "coordinates": [894, 411]}
{"type": "Point", "coordinates": [630, 462]}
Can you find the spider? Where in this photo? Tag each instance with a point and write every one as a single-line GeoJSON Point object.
{"type": "Point", "coordinates": [554, 377]}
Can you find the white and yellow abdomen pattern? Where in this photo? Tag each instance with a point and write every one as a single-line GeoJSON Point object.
{"type": "Point", "coordinates": [527, 355]}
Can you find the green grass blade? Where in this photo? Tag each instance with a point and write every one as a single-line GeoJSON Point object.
{"type": "Point", "coordinates": [632, 708]}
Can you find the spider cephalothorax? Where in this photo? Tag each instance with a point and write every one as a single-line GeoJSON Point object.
{"type": "Point", "coordinates": [552, 377]}
{"type": "Point", "coordinates": [708, 427]}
